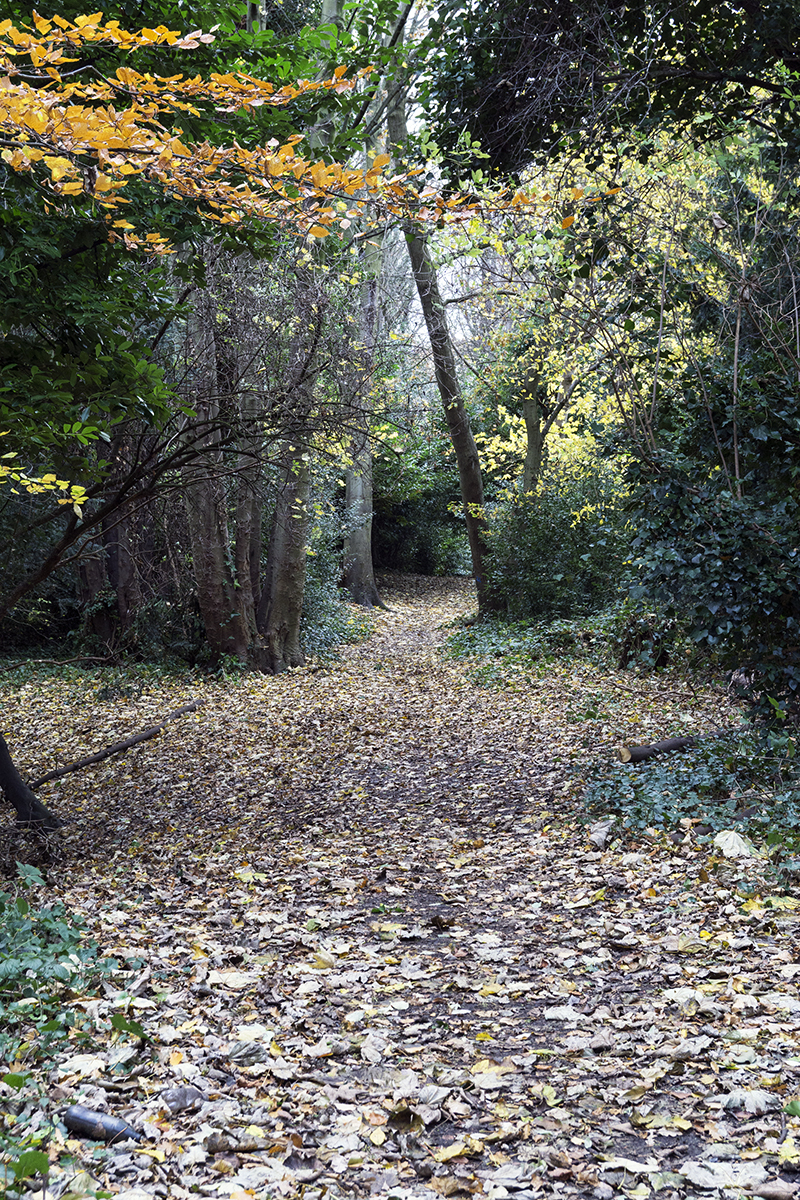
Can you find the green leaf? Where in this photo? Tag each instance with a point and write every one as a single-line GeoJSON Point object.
{"type": "Point", "coordinates": [30, 1162]}
{"type": "Point", "coordinates": [124, 1025]}
{"type": "Point", "coordinates": [15, 1081]}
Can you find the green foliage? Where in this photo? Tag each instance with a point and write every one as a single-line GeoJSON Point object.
{"type": "Point", "coordinates": [728, 568]}
{"type": "Point", "coordinates": [329, 619]}
{"type": "Point", "coordinates": [673, 64]}
{"type": "Point", "coordinates": [734, 781]}
{"type": "Point", "coordinates": [75, 313]}
{"type": "Point", "coordinates": [417, 524]}
{"type": "Point", "coordinates": [558, 551]}
{"type": "Point", "coordinates": [43, 955]}
{"type": "Point", "coordinates": [42, 951]}
{"type": "Point", "coordinates": [509, 652]}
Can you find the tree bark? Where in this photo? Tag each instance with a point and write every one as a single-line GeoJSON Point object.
{"type": "Point", "coordinates": [29, 809]}
{"type": "Point", "coordinates": [444, 362]}
{"type": "Point", "coordinates": [227, 622]}
{"type": "Point", "coordinates": [532, 415]}
{"type": "Point", "coordinates": [206, 508]}
{"type": "Point", "coordinates": [359, 574]}
{"type": "Point", "coordinates": [281, 604]}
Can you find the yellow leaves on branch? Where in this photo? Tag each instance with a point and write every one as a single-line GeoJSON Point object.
{"type": "Point", "coordinates": [36, 484]}
{"type": "Point", "coordinates": [91, 137]}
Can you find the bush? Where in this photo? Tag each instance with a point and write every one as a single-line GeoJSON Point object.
{"type": "Point", "coordinates": [727, 568]}
{"type": "Point", "coordinates": [734, 781]}
{"type": "Point", "coordinates": [558, 551]}
{"type": "Point", "coordinates": [329, 619]}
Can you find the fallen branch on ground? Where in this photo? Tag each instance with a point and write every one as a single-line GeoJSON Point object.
{"type": "Point", "coordinates": [637, 754]}
{"type": "Point", "coordinates": [117, 748]}
{"type": "Point", "coordinates": [60, 662]}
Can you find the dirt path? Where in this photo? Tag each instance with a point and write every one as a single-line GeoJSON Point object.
{"type": "Point", "coordinates": [364, 921]}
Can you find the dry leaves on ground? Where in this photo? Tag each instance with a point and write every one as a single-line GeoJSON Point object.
{"type": "Point", "coordinates": [378, 952]}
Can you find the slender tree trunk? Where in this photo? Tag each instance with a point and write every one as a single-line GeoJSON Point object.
{"type": "Point", "coordinates": [359, 573]}
{"type": "Point", "coordinates": [29, 809]}
{"type": "Point", "coordinates": [444, 362]}
{"type": "Point", "coordinates": [281, 604]}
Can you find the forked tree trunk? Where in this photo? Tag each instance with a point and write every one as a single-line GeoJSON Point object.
{"type": "Point", "coordinates": [29, 809]}
{"type": "Point", "coordinates": [281, 604]}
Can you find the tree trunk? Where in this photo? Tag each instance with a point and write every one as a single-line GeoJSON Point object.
{"type": "Point", "coordinates": [458, 423]}
{"type": "Point", "coordinates": [206, 508]}
{"type": "Point", "coordinates": [359, 575]}
{"type": "Point", "coordinates": [29, 809]}
{"type": "Point", "coordinates": [223, 603]}
{"type": "Point", "coordinates": [532, 415]}
{"type": "Point", "coordinates": [281, 604]}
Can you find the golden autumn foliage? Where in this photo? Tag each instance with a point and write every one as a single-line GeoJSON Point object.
{"type": "Point", "coordinates": [91, 137]}
{"type": "Point", "coordinates": [87, 138]}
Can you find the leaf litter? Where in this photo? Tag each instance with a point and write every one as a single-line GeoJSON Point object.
{"type": "Point", "coordinates": [376, 947]}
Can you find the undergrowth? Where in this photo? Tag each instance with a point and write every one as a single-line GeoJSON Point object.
{"type": "Point", "coordinates": [510, 646]}
{"type": "Point", "coordinates": [733, 781]}
{"type": "Point", "coordinates": [619, 637]}
{"type": "Point", "coordinates": [45, 959]}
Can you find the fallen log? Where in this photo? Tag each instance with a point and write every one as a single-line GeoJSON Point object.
{"type": "Point", "coordinates": [635, 754]}
{"type": "Point", "coordinates": [117, 748]}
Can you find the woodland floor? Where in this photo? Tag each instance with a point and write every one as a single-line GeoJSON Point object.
{"type": "Point", "coordinates": [365, 923]}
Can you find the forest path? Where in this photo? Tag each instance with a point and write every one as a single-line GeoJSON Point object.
{"type": "Point", "coordinates": [363, 919]}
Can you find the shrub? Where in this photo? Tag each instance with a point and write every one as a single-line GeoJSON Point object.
{"type": "Point", "coordinates": [729, 569]}
{"type": "Point", "coordinates": [329, 619]}
{"type": "Point", "coordinates": [417, 524]}
{"type": "Point", "coordinates": [558, 551]}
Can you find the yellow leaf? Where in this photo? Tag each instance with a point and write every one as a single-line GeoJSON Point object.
{"type": "Point", "coordinates": [681, 1123]}
{"type": "Point", "coordinates": [377, 1137]}
{"type": "Point", "coordinates": [382, 160]}
{"type": "Point", "coordinates": [448, 1152]}
{"type": "Point", "coordinates": [788, 1151]}
{"type": "Point", "coordinates": [318, 231]}
{"type": "Point", "coordinates": [158, 1155]}
{"type": "Point", "coordinates": [103, 182]}
{"type": "Point", "coordinates": [565, 224]}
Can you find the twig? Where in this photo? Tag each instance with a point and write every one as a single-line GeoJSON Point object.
{"type": "Point", "coordinates": [117, 748]}
{"type": "Point", "coordinates": [58, 662]}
